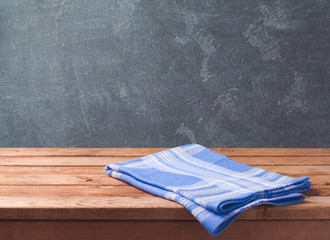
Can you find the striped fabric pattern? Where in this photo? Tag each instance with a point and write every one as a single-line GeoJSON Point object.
{"type": "Point", "coordinates": [213, 187]}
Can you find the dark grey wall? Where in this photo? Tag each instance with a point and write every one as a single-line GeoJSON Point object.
{"type": "Point", "coordinates": [164, 73]}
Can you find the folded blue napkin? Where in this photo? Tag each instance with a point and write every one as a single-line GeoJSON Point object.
{"type": "Point", "coordinates": [213, 187]}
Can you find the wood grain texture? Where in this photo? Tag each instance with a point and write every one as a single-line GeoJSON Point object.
{"type": "Point", "coordinates": [58, 186]}
{"type": "Point", "coordinates": [126, 203]}
{"type": "Point", "coordinates": [287, 170]}
{"type": "Point", "coordinates": [162, 230]}
{"type": "Point", "coordinates": [138, 152]}
{"type": "Point", "coordinates": [102, 161]}
{"type": "Point", "coordinates": [44, 179]}
{"type": "Point", "coordinates": [100, 191]}
{"type": "Point", "coordinates": [47, 175]}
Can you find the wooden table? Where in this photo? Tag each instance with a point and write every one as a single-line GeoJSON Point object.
{"type": "Point", "coordinates": [63, 193]}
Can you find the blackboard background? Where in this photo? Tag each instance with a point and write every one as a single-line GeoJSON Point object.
{"type": "Point", "coordinates": [164, 73]}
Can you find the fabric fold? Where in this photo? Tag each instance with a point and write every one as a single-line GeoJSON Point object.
{"type": "Point", "coordinates": [213, 187]}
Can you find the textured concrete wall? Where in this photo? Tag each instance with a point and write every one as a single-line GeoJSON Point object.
{"type": "Point", "coordinates": [164, 73]}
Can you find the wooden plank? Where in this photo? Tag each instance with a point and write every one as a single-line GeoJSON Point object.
{"type": "Point", "coordinates": [287, 170]}
{"type": "Point", "coordinates": [85, 176]}
{"type": "Point", "coordinates": [42, 179]}
{"type": "Point", "coordinates": [140, 207]}
{"type": "Point", "coordinates": [284, 161]}
{"type": "Point", "coordinates": [272, 152]}
{"type": "Point", "coordinates": [318, 191]}
{"type": "Point", "coordinates": [138, 152]}
{"type": "Point", "coordinates": [162, 230]}
{"type": "Point", "coordinates": [101, 191]}
{"type": "Point", "coordinates": [298, 170]}
{"type": "Point", "coordinates": [102, 161]}
{"type": "Point", "coordinates": [70, 191]}
{"type": "Point", "coordinates": [80, 152]}
{"type": "Point", "coordinates": [61, 161]}
{"type": "Point", "coordinates": [59, 180]}
{"type": "Point", "coordinates": [320, 179]}
{"type": "Point", "coordinates": [12, 170]}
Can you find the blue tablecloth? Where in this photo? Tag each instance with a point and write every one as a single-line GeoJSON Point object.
{"type": "Point", "coordinates": [213, 187]}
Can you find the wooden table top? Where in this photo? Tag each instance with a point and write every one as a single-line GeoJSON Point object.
{"type": "Point", "coordinates": [70, 184]}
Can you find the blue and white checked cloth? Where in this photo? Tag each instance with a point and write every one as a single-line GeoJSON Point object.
{"type": "Point", "coordinates": [214, 188]}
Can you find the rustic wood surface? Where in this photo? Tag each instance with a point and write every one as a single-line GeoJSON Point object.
{"type": "Point", "coordinates": [56, 190]}
{"type": "Point", "coordinates": [162, 230]}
